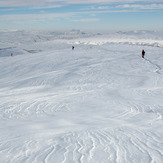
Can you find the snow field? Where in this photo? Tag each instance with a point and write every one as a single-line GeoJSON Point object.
{"type": "Point", "coordinates": [95, 104]}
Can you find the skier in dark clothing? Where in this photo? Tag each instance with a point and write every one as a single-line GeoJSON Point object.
{"type": "Point", "coordinates": [72, 47]}
{"type": "Point", "coordinates": [143, 53]}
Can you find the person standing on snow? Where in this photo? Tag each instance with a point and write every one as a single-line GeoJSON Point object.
{"type": "Point", "coordinates": [143, 53]}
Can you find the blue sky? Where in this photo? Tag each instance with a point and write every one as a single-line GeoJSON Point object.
{"type": "Point", "coordinates": [81, 14]}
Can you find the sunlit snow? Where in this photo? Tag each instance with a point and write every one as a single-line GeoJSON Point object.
{"type": "Point", "coordinates": [98, 103]}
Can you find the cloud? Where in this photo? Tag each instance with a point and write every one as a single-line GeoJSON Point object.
{"type": "Point", "coordinates": [51, 16]}
{"type": "Point", "coordinates": [99, 8]}
{"type": "Point", "coordinates": [82, 14]}
{"type": "Point", "coordinates": [135, 6]}
{"type": "Point", "coordinates": [47, 6]}
{"type": "Point", "coordinates": [86, 20]}
{"type": "Point", "coordinates": [18, 3]}
{"type": "Point", "coordinates": [31, 17]}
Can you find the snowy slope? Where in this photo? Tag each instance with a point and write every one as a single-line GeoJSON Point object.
{"type": "Point", "coordinates": [98, 103]}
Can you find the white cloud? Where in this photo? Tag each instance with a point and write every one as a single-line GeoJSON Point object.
{"type": "Point", "coordinates": [14, 3]}
{"type": "Point", "coordinates": [92, 11]}
{"type": "Point", "coordinates": [31, 17]}
{"type": "Point", "coordinates": [45, 16]}
{"type": "Point", "coordinates": [150, 6]}
{"type": "Point", "coordinates": [86, 20]}
{"type": "Point", "coordinates": [99, 8]}
{"type": "Point", "coordinates": [46, 6]}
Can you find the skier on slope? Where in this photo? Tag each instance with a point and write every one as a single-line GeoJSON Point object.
{"type": "Point", "coordinates": [143, 53]}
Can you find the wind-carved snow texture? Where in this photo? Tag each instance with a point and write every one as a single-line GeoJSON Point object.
{"type": "Point", "coordinates": [97, 103]}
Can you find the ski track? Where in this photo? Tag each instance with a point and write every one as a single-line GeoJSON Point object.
{"type": "Point", "coordinates": [83, 108]}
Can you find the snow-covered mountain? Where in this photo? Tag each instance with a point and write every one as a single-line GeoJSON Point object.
{"type": "Point", "coordinates": [20, 42]}
{"type": "Point", "coordinates": [98, 103]}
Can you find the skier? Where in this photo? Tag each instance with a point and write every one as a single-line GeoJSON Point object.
{"type": "Point", "coordinates": [143, 53]}
{"type": "Point", "coordinates": [72, 47]}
